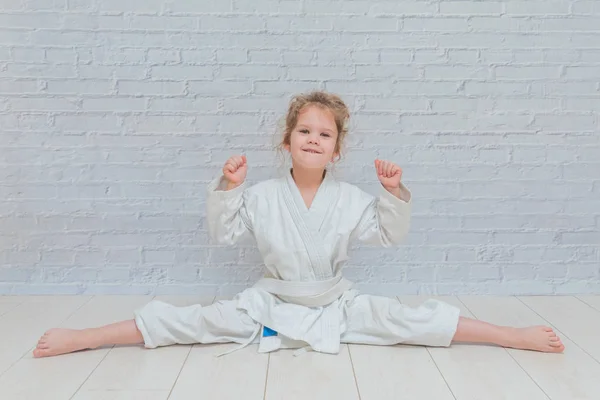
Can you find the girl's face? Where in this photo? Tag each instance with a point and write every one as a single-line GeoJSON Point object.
{"type": "Point", "coordinates": [313, 139]}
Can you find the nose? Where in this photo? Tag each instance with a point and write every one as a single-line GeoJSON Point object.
{"type": "Point", "coordinates": [313, 139]}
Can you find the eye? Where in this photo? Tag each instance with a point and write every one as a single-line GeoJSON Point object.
{"type": "Point", "coordinates": [304, 130]}
{"type": "Point", "coordinates": [325, 134]}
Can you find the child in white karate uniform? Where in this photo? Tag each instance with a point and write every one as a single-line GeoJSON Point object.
{"type": "Point", "coordinates": [303, 224]}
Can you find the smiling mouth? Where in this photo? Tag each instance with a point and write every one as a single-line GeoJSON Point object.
{"type": "Point", "coordinates": [311, 151]}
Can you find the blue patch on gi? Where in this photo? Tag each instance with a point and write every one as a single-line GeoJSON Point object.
{"type": "Point", "coordinates": [268, 332]}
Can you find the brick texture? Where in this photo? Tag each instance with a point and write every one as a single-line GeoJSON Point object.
{"type": "Point", "coordinates": [114, 115]}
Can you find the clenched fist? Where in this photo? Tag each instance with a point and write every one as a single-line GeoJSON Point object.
{"type": "Point", "coordinates": [389, 174]}
{"type": "Point", "coordinates": [235, 170]}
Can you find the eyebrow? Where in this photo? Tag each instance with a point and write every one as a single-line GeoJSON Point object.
{"type": "Point", "coordinates": [325, 130]}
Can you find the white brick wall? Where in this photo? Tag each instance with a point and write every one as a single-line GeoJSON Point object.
{"type": "Point", "coordinates": [114, 114]}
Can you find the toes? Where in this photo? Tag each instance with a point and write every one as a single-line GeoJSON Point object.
{"type": "Point", "coordinates": [554, 347]}
{"type": "Point", "coordinates": [42, 346]}
{"type": "Point", "coordinates": [37, 353]}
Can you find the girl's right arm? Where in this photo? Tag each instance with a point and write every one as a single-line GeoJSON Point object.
{"type": "Point", "coordinates": [227, 217]}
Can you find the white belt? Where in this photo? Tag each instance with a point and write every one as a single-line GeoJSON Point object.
{"type": "Point", "coordinates": [310, 293]}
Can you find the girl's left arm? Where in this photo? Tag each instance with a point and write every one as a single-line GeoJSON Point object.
{"type": "Point", "coordinates": [385, 220]}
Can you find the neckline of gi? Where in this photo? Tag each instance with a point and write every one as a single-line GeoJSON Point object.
{"type": "Point", "coordinates": [319, 199]}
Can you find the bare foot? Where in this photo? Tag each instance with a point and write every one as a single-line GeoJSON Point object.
{"type": "Point", "coordinates": [538, 338]}
{"type": "Point", "coordinates": [61, 341]}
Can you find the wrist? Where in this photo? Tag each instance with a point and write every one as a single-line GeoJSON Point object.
{"type": "Point", "coordinates": [231, 185]}
{"type": "Point", "coordinates": [400, 192]}
{"type": "Point", "coordinates": [395, 190]}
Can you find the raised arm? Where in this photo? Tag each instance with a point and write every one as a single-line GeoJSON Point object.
{"type": "Point", "coordinates": [227, 217]}
{"type": "Point", "coordinates": [386, 219]}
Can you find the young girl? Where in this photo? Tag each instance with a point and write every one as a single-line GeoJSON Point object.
{"type": "Point", "coordinates": [303, 224]}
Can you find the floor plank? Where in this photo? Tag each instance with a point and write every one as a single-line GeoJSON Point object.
{"type": "Point", "coordinates": [137, 368]}
{"type": "Point", "coordinates": [12, 299]}
{"type": "Point", "coordinates": [384, 372]}
{"type": "Point", "coordinates": [391, 372]}
{"type": "Point", "coordinates": [239, 375]}
{"type": "Point", "coordinates": [578, 321]}
{"type": "Point", "coordinates": [30, 298]}
{"type": "Point", "coordinates": [472, 371]}
{"type": "Point", "coordinates": [312, 376]}
{"type": "Point", "coordinates": [216, 383]}
{"type": "Point", "coordinates": [467, 371]}
{"type": "Point", "coordinates": [6, 305]}
{"type": "Point", "coordinates": [593, 301]}
{"type": "Point", "coordinates": [572, 375]}
{"type": "Point", "coordinates": [122, 395]}
{"type": "Point", "coordinates": [33, 378]}
{"type": "Point", "coordinates": [53, 378]}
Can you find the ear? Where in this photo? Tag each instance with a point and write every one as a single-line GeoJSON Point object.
{"type": "Point", "coordinates": [336, 157]}
{"type": "Point", "coordinates": [287, 147]}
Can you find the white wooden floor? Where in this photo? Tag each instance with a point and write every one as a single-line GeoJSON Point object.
{"type": "Point", "coordinates": [358, 372]}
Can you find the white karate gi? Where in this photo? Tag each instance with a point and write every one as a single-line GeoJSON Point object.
{"type": "Point", "coordinates": [303, 296]}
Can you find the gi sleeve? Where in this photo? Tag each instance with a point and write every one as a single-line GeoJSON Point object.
{"type": "Point", "coordinates": [226, 213]}
{"type": "Point", "coordinates": [385, 220]}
